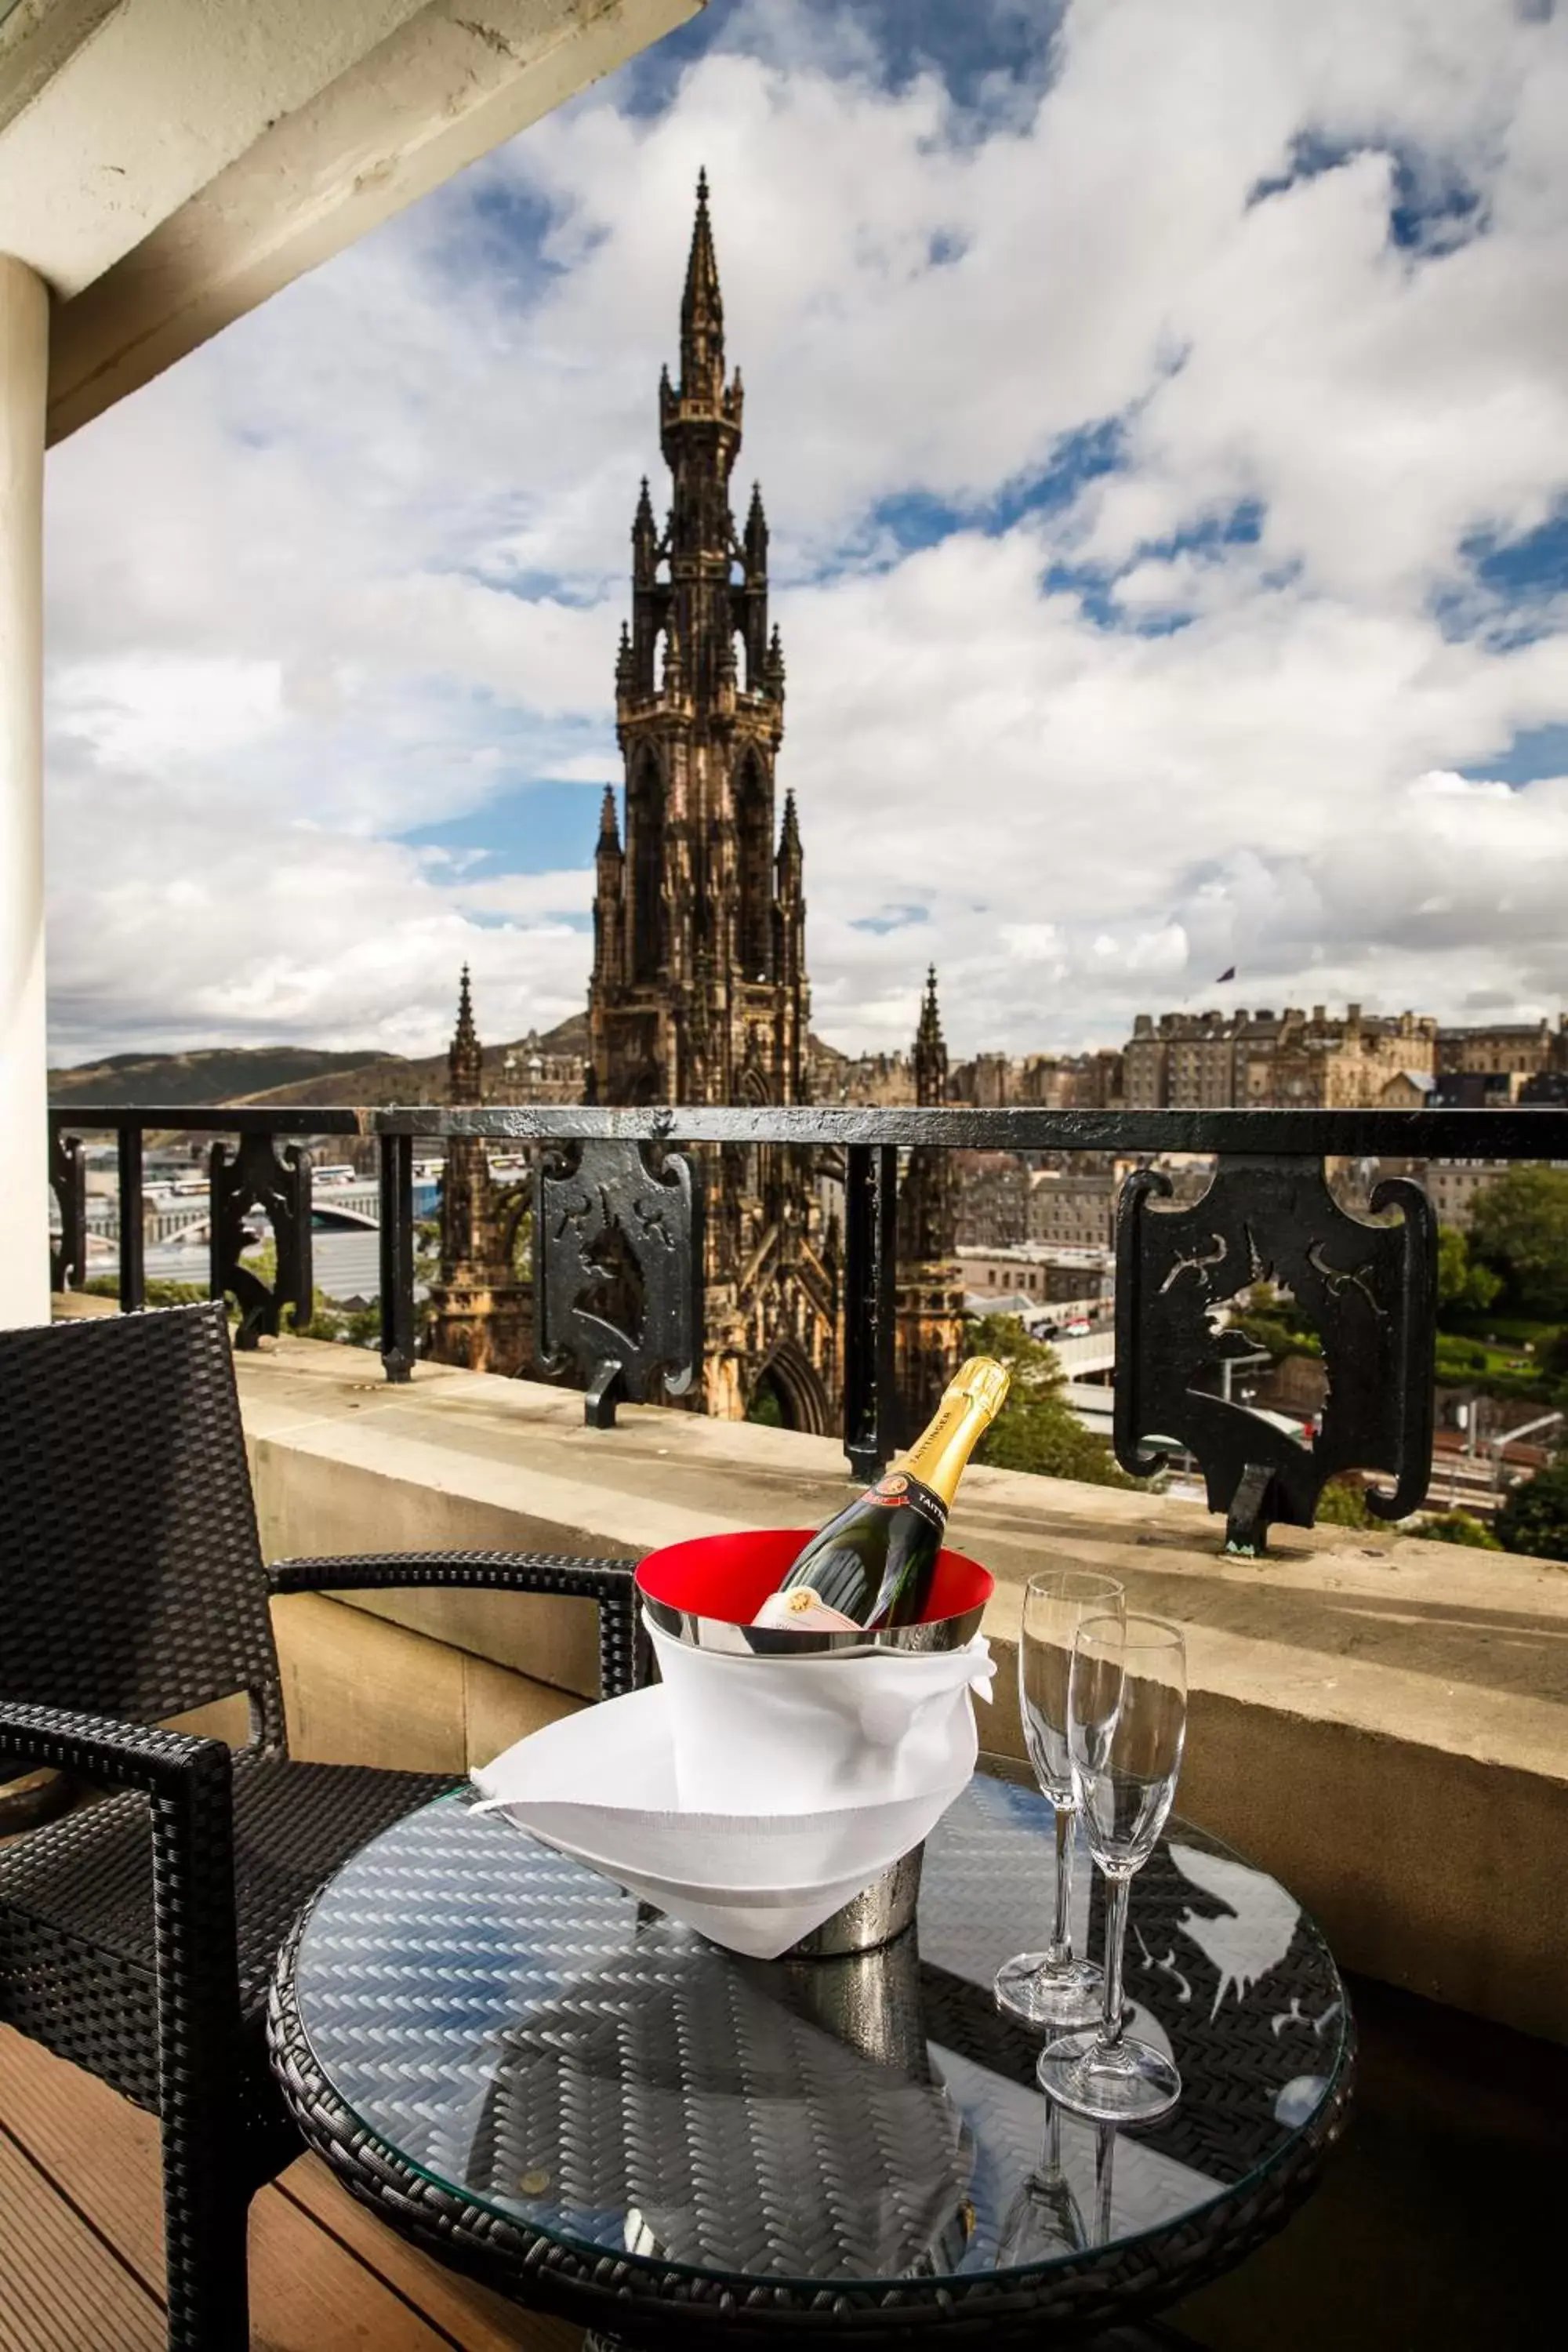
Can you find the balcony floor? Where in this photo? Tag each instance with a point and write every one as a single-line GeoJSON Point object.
{"type": "Point", "coordinates": [80, 2193]}
{"type": "Point", "coordinates": [1436, 2229]}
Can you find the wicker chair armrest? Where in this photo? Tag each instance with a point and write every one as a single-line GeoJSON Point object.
{"type": "Point", "coordinates": [623, 1651]}
{"type": "Point", "coordinates": [189, 1783]}
{"type": "Point", "coordinates": [122, 1755]}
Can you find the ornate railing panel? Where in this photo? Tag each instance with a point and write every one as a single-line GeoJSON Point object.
{"type": "Point", "coordinates": [68, 1182]}
{"type": "Point", "coordinates": [617, 1260]}
{"type": "Point", "coordinates": [1371, 1288]}
{"type": "Point", "coordinates": [253, 1177]}
{"type": "Point", "coordinates": [397, 1333]}
{"type": "Point", "coordinates": [1370, 1283]}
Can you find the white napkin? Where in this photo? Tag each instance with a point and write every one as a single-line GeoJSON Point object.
{"type": "Point", "coordinates": [830, 1769]}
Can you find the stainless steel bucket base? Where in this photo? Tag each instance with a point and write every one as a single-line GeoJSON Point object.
{"type": "Point", "coordinates": [870, 1919]}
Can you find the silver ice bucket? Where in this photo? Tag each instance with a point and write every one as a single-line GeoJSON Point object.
{"type": "Point", "coordinates": [683, 1585]}
{"type": "Point", "coordinates": [870, 1919]}
{"type": "Point", "coordinates": [687, 1588]}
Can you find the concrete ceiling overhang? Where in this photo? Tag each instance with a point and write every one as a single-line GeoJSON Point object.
{"type": "Point", "coordinates": [167, 165]}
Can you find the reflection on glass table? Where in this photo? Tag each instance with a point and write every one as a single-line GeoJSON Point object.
{"type": "Point", "coordinates": [543, 2062]}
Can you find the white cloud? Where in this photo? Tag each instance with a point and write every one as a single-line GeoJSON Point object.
{"type": "Point", "coordinates": [130, 709]}
{"type": "Point", "coordinates": [359, 566]}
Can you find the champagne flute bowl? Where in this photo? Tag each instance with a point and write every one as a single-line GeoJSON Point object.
{"type": "Point", "coordinates": [1051, 1988]}
{"type": "Point", "coordinates": [1127, 1718]}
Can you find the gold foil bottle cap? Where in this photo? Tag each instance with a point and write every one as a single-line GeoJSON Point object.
{"type": "Point", "coordinates": [985, 1380]}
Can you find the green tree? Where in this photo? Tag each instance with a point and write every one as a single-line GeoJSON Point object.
{"type": "Point", "coordinates": [1342, 1504]}
{"type": "Point", "coordinates": [1519, 1227]}
{"type": "Point", "coordinates": [1457, 1362]}
{"type": "Point", "coordinates": [1457, 1528]}
{"type": "Point", "coordinates": [1535, 1517]}
{"type": "Point", "coordinates": [1278, 1337]}
{"type": "Point", "coordinates": [1278, 1322]}
{"type": "Point", "coordinates": [1463, 1284]}
{"type": "Point", "coordinates": [1036, 1429]}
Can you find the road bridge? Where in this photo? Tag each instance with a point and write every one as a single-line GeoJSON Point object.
{"type": "Point", "coordinates": [1091, 1351]}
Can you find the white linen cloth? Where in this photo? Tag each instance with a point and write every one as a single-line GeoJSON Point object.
{"type": "Point", "coordinates": [827, 1769]}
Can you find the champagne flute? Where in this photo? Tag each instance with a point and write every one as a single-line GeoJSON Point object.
{"type": "Point", "coordinates": [1050, 1987]}
{"type": "Point", "coordinates": [1127, 1720]}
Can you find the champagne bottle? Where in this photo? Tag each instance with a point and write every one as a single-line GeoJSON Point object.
{"type": "Point", "coordinates": [872, 1566]}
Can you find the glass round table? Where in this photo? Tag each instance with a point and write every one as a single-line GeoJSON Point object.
{"type": "Point", "coordinates": [582, 2102]}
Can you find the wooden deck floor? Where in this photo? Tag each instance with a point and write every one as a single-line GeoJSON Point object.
{"type": "Point", "coordinates": [81, 2242]}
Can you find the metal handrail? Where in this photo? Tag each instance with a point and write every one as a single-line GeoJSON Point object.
{"type": "Point", "coordinates": [1520, 1133]}
{"type": "Point", "coordinates": [869, 1139]}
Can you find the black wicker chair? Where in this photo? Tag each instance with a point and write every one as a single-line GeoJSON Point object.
{"type": "Point", "coordinates": [137, 1933]}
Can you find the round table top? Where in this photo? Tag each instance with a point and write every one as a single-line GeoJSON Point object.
{"type": "Point", "coordinates": [570, 2070]}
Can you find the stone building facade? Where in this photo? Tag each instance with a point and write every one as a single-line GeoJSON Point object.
{"type": "Point", "coordinates": [700, 992]}
{"type": "Point", "coordinates": [930, 1325]}
{"type": "Point", "coordinates": [535, 1069]}
{"type": "Point", "coordinates": [1069, 1081]}
{"type": "Point", "coordinates": [1073, 1207]}
{"type": "Point", "coordinates": [481, 1313]}
{"type": "Point", "coordinates": [993, 1199]}
{"type": "Point", "coordinates": [1452, 1186]}
{"type": "Point", "coordinates": [1182, 1061]}
{"type": "Point", "coordinates": [1325, 1064]}
{"type": "Point", "coordinates": [882, 1080]}
{"type": "Point", "coordinates": [1290, 1060]}
{"type": "Point", "coordinates": [1525, 1047]}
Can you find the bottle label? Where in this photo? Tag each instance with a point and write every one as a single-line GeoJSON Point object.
{"type": "Point", "coordinates": [801, 1609]}
{"type": "Point", "coordinates": [898, 1491]}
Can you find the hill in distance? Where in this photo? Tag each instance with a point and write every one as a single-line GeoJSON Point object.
{"type": "Point", "coordinates": [281, 1073]}
{"type": "Point", "coordinates": [216, 1074]}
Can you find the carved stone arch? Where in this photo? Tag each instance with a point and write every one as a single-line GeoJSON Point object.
{"type": "Point", "coordinates": [754, 806]}
{"type": "Point", "coordinates": [645, 853]}
{"type": "Point", "coordinates": [800, 1389]}
{"type": "Point", "coordinates": [796, 1384]}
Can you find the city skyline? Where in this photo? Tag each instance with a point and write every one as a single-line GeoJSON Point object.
{"type": "Point", "coordinates": [1166, 442]}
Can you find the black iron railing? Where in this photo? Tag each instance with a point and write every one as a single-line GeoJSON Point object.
{"type": "Point", "coordinates": [617, 1174]}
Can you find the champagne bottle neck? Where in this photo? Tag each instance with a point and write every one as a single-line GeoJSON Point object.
{"type": "Point", "coordinates": [941, 1452]}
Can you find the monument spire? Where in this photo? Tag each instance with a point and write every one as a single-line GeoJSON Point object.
{"type": "Point", "coordinates": [931, 1048]}
{"type": "Point", "coordinates": [928, 1316]}
{"type": "Point", "coordinates": [480, 1314]}
{"type": "Point", "coordinates": [699, 992]}
{"type": "Point", "coordinates": [701, 311]}
{"type": "Point", "coordinates": [465, 1058]}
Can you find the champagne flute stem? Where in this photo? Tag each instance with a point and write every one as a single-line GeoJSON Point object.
{"type": "Point", "coordinates": [1104, 2170]}
{"type": "Point", "coordinates": [1061, 1936]}
{"type": "Point", "coordinates": [1051, 2158]}
{"type": "Point", "coordinates": [1116, 1892]}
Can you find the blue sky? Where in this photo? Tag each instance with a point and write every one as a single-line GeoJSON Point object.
{"type": "Point", "coordinates": [1162, 418]}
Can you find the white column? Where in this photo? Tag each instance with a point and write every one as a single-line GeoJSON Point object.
{"type": "Point", "coordinates": [24, 1084]}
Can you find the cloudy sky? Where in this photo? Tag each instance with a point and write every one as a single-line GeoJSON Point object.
{"type": "Point", "coordinates": [1163, 414]}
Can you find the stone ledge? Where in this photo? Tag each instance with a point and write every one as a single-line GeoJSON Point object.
{"type": "Point", "coordinates": [1384, 1723]}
